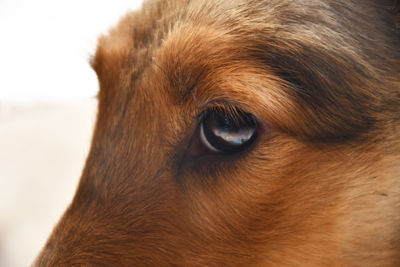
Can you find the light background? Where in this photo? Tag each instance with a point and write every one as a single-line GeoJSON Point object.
{"type": "Point", "coordinates": [47, 111]}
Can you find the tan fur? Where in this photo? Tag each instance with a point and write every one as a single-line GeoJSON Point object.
{"type": "Point", "coordinates": [320, 186]}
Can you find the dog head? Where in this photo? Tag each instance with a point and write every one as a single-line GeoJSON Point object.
{"type": "Point", "coordinates": [242, 132]}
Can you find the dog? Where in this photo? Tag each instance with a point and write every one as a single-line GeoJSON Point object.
{"type": "Point", "coordinates": [242, 133]}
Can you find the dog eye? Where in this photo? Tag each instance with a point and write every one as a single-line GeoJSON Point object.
{"type": "Point", "coordinates": [224, 131]}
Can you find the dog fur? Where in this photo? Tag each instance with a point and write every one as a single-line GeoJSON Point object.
{"type": "Point", "coordinates": [320, 186]}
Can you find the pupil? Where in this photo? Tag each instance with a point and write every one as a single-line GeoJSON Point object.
{"type": "Point", "coordinates": [226, 123]}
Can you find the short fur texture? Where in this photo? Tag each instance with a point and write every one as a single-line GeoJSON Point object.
{"type": "Point", "coordinates": [321, 185]}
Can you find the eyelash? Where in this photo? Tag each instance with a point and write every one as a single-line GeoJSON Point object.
{"type": "Point", "coordinates": [229, 109]}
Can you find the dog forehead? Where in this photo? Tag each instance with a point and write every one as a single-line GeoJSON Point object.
{"type": "Point", "coordinates": [194, 55]}
{"type": "Point", "coordinates": [186, 42]}
{"type": "Point", "coordinates": [188, 25]}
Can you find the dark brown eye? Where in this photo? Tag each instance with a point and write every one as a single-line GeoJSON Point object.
{"type": "Point", "coordinates": [224, 131]}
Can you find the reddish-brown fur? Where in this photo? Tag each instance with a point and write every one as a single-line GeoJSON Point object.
{"type": "Point", "coordinates": [321, 184]}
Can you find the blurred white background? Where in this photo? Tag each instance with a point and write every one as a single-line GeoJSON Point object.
{"type": "Point", "coordinates": [47, 111]}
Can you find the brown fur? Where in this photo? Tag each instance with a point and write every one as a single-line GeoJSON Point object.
{"type": "Point", "coordinates": [321, 185]}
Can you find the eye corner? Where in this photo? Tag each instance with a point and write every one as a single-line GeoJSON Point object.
{"type": "Point", "coordinates": [204, 141]}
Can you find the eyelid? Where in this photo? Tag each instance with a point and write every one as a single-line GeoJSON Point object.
{"type": "Point", "coordinates": [229, 108]}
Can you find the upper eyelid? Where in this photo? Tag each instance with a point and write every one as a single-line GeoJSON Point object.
{"type": "Point", "coordinates": [231, 110]}
{"type": "Point", "coordinates": [228, 108]}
